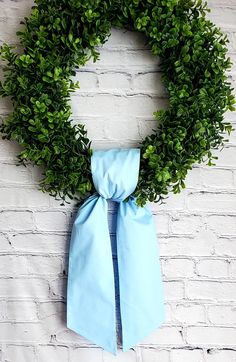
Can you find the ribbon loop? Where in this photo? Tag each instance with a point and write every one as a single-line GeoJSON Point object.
{"type": "Point", "coordinates": [115, 172]}
{"type": "Point", "coordinates": [91, 307]}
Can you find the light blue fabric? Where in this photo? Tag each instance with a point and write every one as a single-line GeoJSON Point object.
{"type": "Point", "coordinates": [91, 307]}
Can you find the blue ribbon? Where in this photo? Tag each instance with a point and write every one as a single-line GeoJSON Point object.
{"type": "Point", "coordinates": [91, 307]}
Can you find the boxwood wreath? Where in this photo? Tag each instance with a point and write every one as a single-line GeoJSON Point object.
{"type": "Point", "coordinates": [60, 36]}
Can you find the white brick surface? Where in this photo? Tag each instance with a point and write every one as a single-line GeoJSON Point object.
{"type": "Point", "coordinates": [211, 336]}
{"type": "Point", "coordinates": [180, 355]}
{"type": "Point", "coordinates": [222, 225]}
{"type": "Point", "coordinates": [164, 336]}
{"type": "Point", "coordinates": [186, 224]}
{"type": "Point", "coordinates": [225, 247]}
{"type": "Point", "coordinates": [178, 268]}
{"type": "Point", "coordinates": [22, 353]}
{"type": "Point", "coordinates": [219, 356]}
{"type": "Point", "coordinates": [18, 310]}
{"type": "Point", "coordinates": [154, 355]}
{"type": "Point", "coordinates": [217, 178]}
{"type": "Point", "coordinates": [38, 242]}
{"type": "Point", "coordinates": [196, 229]}
{"type": "Point", "coordinates": [16, 221]}
{"type": "Point", "coordinates": [190, 313]}
{"type": "Point", "coordinates": [173, 290]}
{"type": "Point", "coordinates": [211, 290]}
{"type": "Point", "coordinates": [213, 268]}
{"type": "Point", "coordinates": [46, 221]}
{"type": "Point", "coordinates": [86, 354]}
{"type": "Point", "coordinates": [130, 356]}
{"type": "Point", "coordinates": [53, 353]}
{"type": "Point", "coordinates": [24, 288]}
{"type": "Point", "coordinates": [222, 314]}
{"type": "Point", "coordinates": [210, 202]}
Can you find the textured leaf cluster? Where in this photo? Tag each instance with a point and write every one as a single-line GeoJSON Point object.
{"type": "Point", "coordinates": [61, 36]}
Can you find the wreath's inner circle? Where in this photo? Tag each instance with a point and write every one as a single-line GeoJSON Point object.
{"type": "Point", "coordinates": [119, 92]}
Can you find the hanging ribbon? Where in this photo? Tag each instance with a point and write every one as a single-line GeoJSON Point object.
{"type": "Point", "coordinates": [91, 307]}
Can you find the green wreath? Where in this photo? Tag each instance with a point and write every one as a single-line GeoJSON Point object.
{"type": "Point", "coordinates": [61, 35]}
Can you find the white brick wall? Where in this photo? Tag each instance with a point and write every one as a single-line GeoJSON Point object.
{"type": "Point", "coordinates": [196, 230]}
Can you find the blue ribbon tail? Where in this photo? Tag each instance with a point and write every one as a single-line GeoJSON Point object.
{"type": "Point", "coordinates": [91, 302]}
{"type": "Point", "coordinates": [91, 291]}
{"type": "Point", "coordinates": [140, 282]}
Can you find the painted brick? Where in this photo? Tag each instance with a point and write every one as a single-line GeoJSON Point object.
{"type": "Point", "coordinates": [232, 37]}
{"type": "Point", "coordinates": [146, 126]}
{"type": "Point", "coordinates": [13, 265]}
{"type": "Point", "coordinates": [29, 264]}
{"type": "Point", "coordinates": [58, 288]}
{"type": "Point", "coordinates": [220, 3]}
{"type": "Point", "coordinates": [168, 314]}
{"type": "Point", "coordinates": [194, 178]}
{"type": "Point", "coordinates": [16, 197]}
{"type": "Point", "coordinates": [28, 288]}
{"type": "Point", "coordinates": [213, 268]}
{"type": "Point", "coordinates": [19, 310]}
{"type": "Point", "coordinates": [211, 336]}
{"type": "Point", "coordinates": [51, 221]}
{"type": "Point", "coordinates": [87, 355]}
{"type": "Point", "coordinates": [3, 311]}
{"type": "Point", "coordinates": [47, 309]}
{"type": "Point", "coordinates": [173, 290]}
{"type": "Point", "coordinates": [202, 244]}
{"type": "Point", "coordinates": [215, 178]}
{"type": "Point", "coordinates": [121, 131]}
{"type": "Point", "coordinates": [222, 314]}
{"type": "Point", "coordinates": [178, 268]}
{"type": "Point", "coordinates": [129, 356]}
{"type": "Point", "coordinates": [150, 83]}
{"type": "Point", "coordinates": [88, 81]}
{"type": "Point", "coordinates": [22, 353]}
{"type": "Point", "coordinates": [225, 247]}
{"type": "Point", "coordinates": [210, 202]}
{"type": "Point", "coordinates": [23, 333]}
{"type": "Point", "coordinates": [232, 269]}
{"type": "Point", "coordinates": [53, 353]}
{"type": "Point", "coordinates": [113, 105]}
{"type": "Point", "coordinates": [16, 221]}
{"type": "Point", "coordinates": [222, 225]}
{"type": "Point", "coordinates": [164, 336]}
{"type": "Point", "coordinates": [8, 28]}
{"type": "Point", "coordinates": [67, 337]}
{"type": "Point", "coordinates": [226, 157]}
{"type": "Point", "coordinates": [162, 223]}
{"type": "Point", "coordinates": [123, 59]}
{"type": "Point", "coordinates": [116, 82]}
{"type": "Point", "coordinates": [14, 175]}
{"type": "Point", "coordinates": [125, 39]}
{"type": "Point", "coordinates": [221, 355]}
{"type": "Point", "coordinates": [4, 242]}
{"type": "Point", "coordinates": [185, 224]}
{"type": "Point", "coordinates": [12, 11]}
{"type": "Point", "coordinates": [41, 265]}
{"type": "Point", "coordinates": [41, 243]}
{"type": "Point", "coordinates": [190, 313]}
{"type": "Point", "coordinates": [224, 17]}
{"type": "Point", "coordinates": [180, 355]}
{"type": "Point", "coordinates": [152, 355]}
{"type": "Point", "coordinates": [211, 290]}
{"type": "Point", "coordinates": [172, 202]}
{"type": "Point", "coordinates": [96, 127]}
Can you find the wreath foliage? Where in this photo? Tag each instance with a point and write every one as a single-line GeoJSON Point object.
{"type": "Point", "coordinates": [61, 35]}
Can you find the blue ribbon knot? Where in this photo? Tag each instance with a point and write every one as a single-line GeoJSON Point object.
{"type": "Point", "coordinates": [91, 303]}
